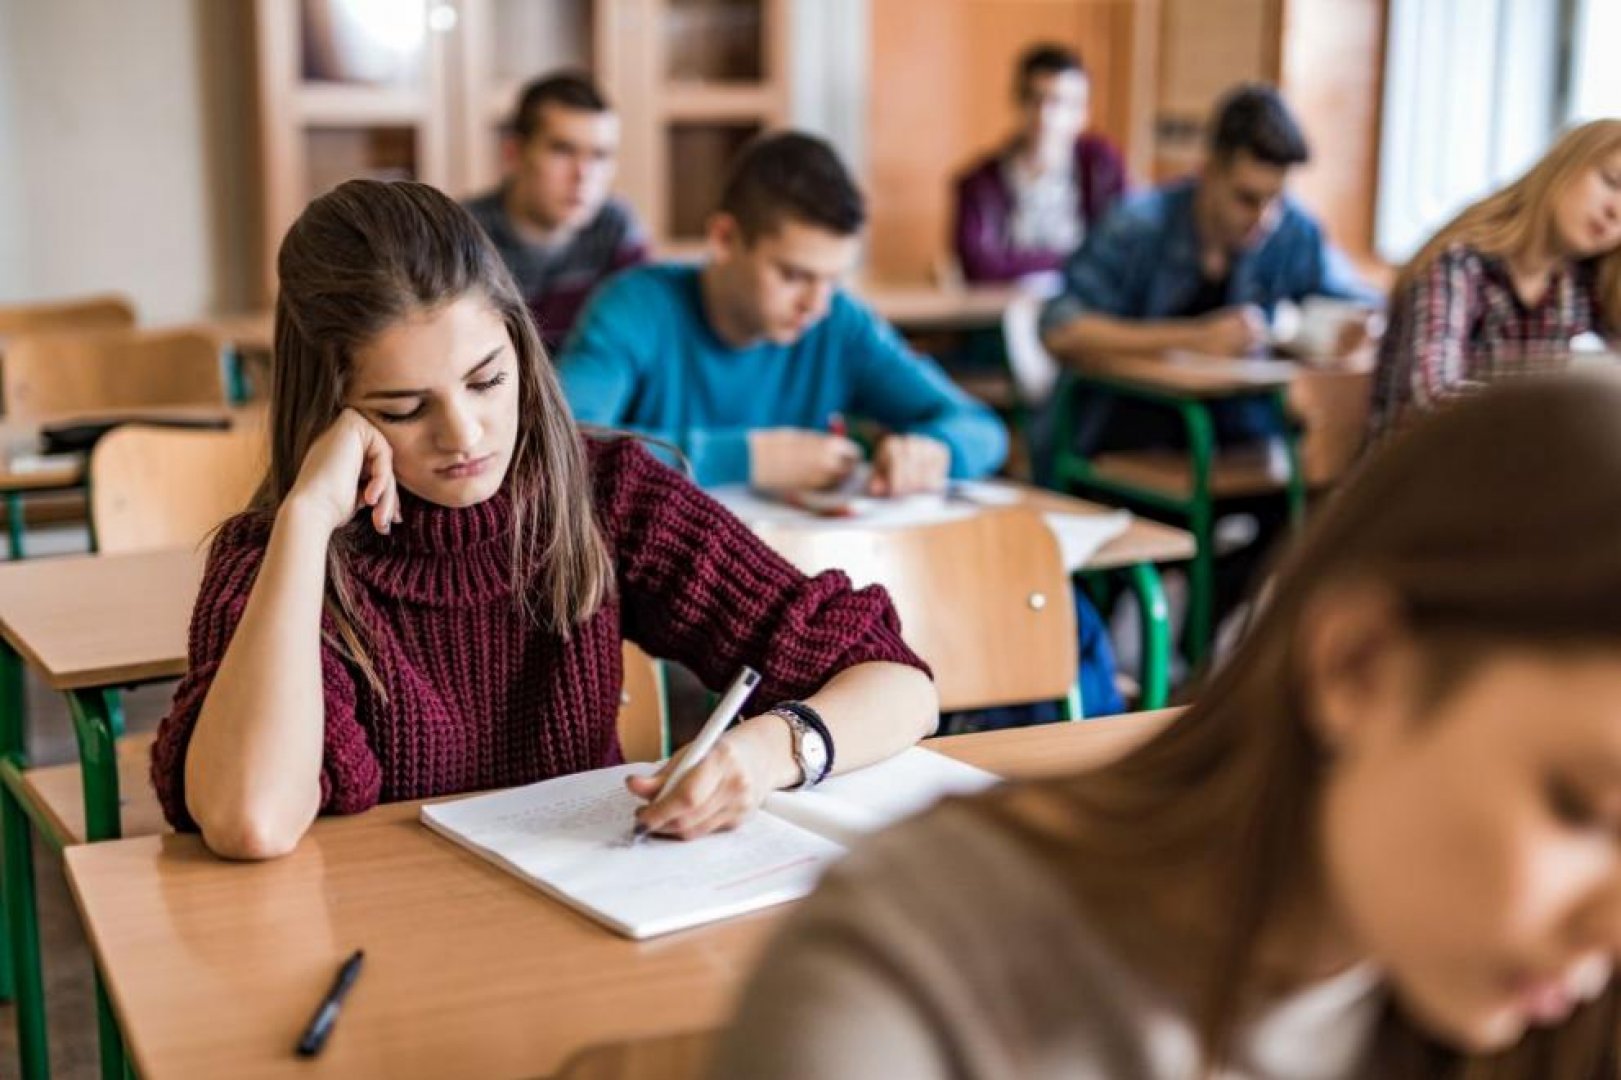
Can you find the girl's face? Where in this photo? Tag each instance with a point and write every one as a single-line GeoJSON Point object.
{"type": "Point", "coordinates": [1587, 215]}
{"type": "Point", "coordinates": [441, 385]}
{"type": "Point", "coordinates": [1472, 846]}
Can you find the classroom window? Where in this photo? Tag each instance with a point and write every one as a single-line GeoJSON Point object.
{"type": "Point", "coordinates": [1595, 77]}
{"type": "Point", "coordinates": [1474, 92]}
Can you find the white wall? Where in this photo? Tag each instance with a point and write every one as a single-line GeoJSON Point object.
{"type": "Point", "coordinates": [12, 220]}
{"type": "Point", "coordinates": [105, 178]}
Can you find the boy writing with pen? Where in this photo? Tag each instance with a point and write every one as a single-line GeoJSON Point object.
{"type": "Point", "coordinates": [740, 362]}
{"type": "Point", "coordinates": [752, 362]}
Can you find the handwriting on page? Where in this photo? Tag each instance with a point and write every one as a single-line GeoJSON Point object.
{"type": "Point", "coordinates": [597, 817]}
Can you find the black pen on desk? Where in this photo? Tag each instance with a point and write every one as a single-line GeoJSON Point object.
{"type": "Point", "coordinates": [326, 1014]}
{"type": "Point", "coordinates": [726, 710]}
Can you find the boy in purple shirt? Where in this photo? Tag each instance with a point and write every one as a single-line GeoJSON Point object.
{"type": "Point", "coordinates": [1023, 208]}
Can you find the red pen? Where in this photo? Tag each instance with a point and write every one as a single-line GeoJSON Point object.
{"type": "Point", "coordinates": [836, 424]}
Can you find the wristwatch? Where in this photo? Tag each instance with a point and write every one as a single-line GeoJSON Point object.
{"type": "Point", "coordinates": [810, 749]}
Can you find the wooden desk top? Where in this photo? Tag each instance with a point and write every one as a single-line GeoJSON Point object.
{"type": "Point", "coordinates": [112, 620]}
{"type": "Point", "coordinates": [101, 620]}
{"type": "Point", "coordinates": [1196, 375]}
{"type": "Point", "coordinates": [17, 435]}
{"type": "Point", "coordinates": [1144, 541]}
{"type": "Point", "coordinates": [214, 967]}
{"type": "Point", "coordinates": [913, 308]}
{"type": "Point", "coordinates": [253, 331]}
{"type": "Point", "coordinates": [51, 477]}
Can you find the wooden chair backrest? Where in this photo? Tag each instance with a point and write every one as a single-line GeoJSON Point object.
{"type": "Point", "coordinates": [157, 487]}
{"type": "Point", "coordinates": [110, 312]}
{"type": "Point", "coordinates": [643, 716]}
{"type": "Point", "coordinates": [1333, 408]}
{"type": "Point", "coordinates": [985, 600]}
{"type": "Point", "coordinates": [111, 369]}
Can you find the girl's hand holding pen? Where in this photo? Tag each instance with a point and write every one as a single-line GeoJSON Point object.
{"type": "Point", "coordinates": [747, 764]}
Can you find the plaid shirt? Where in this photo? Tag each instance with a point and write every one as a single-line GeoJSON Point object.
{"type": "Point", "coordinates": [1461, 325]}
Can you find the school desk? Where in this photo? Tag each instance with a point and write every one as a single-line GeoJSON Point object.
{"type": "Point", "coordinates": [87, 626]}
{"type": "Point", "coordinates": [1187, 484]}
{"type": "Point", "coordinates": [214, 967]}
{"type": "Point", "coordinates": [920, 309]}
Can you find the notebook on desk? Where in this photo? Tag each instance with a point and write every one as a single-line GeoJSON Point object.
{"type": "Point", "coordinates": [568, 838]}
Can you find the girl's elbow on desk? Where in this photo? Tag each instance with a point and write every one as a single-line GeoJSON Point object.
{"type": "Point", "coordinates": [249, 833]}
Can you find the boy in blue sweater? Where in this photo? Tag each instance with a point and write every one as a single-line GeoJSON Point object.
{"type": "Point", "coordinates": [743, 361]}
{"type": "Point", "coordinates": [750, 361]}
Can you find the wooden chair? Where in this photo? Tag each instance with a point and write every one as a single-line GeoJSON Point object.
{"type": "Point", "coordinates": [644, 723]}
{"type": "Point", "coordinates": [48, 374]}
{"type": "Point", "coordinates": [110, 312]}
{"type": "Point", "coordinates": [1333, 408]}
{"type": "Point", "coordinates": [985, 600]}
{"type": "Point", "coordinates": [156, 487]}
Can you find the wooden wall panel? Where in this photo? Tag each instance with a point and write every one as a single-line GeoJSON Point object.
{"type": "Point", "coordinates": [1333, 74]}
{"type": "Point", "coordinates": [1206, 47]}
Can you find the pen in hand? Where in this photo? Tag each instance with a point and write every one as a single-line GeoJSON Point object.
{"type": "Point", "coordinates": [326, 1014]}
{"type": "Point", "coordinates": [726, 710]}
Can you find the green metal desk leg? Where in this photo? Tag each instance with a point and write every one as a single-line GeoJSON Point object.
{"type": "Point", "coordinates": [1156, 632]}
{"type": "Point", "coordinates": [22, 920]}
{"type": "Point", "coordinates": [1073, 708]}
{"type": "Point", "coordinates": [13, 747]}
{"type": "Point", "coordinates": [22, 927]}
{"type": "Point", "coordinates": [15, 527]}
{"type": "Point", "coordinates": [97, 714]}
{"type": "Point", "coordinates": [236, 375]}
{"type": "Point", "coordinates": [1202, 523]}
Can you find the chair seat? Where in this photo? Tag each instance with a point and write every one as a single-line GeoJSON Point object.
{"type": "Point", "coordinates": [1235, 473]}
{"type": "Point", "coordinates": [59, 790]}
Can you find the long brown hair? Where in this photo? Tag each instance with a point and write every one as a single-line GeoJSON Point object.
{"type": "Point", "coordinates": [357, 260]}
{"type": "Point", "coordinates": [1521, 216]}
{"type": "Point", "coordinates": [1494, 522]}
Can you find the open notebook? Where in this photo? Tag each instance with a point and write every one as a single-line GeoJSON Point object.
{"type": "Point", "coordinates": [568, 836]}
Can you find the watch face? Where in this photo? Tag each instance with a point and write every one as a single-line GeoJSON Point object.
{"type": "Point", "coordinates": [814, 751]}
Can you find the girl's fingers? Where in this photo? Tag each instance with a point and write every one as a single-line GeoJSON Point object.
{"type": "Point", "coordinates": [689, 796]}
{"type": "Point", "coordinates": [716, 814]}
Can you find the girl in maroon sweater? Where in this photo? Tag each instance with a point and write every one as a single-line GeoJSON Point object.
{"type": "Point", "coordinates": [430, 590]}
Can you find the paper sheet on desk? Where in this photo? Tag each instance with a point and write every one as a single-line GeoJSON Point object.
{"type": "Point", "coordinates": [1080, 536]}
{"type": "Point", "coordinates": [756, 509]}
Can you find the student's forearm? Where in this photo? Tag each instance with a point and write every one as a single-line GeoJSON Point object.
{"type": "Point", "coordinates": [1097, 334]}
{"type": "Point", "coordinates": [872, 711]}
{"type": "Point", "coordinates": [253, 765]}
{"type": "Point", "coordinates": [977, 440]}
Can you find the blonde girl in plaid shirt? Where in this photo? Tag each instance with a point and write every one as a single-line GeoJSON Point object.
{"type": "Point", "coordinates": [1502, 289]}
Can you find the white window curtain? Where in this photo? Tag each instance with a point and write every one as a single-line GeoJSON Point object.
{"type": "Point", "coordinates": [1472, 89]}
{"type": "Point", "coordinates": [1595, 77]}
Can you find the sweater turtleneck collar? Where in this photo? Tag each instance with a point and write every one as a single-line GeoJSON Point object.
{"type": "Point", "coordinates": [440, 555]}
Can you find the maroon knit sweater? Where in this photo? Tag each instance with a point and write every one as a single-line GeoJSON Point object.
{"type": "Point", "coordinates": [478, 696]}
